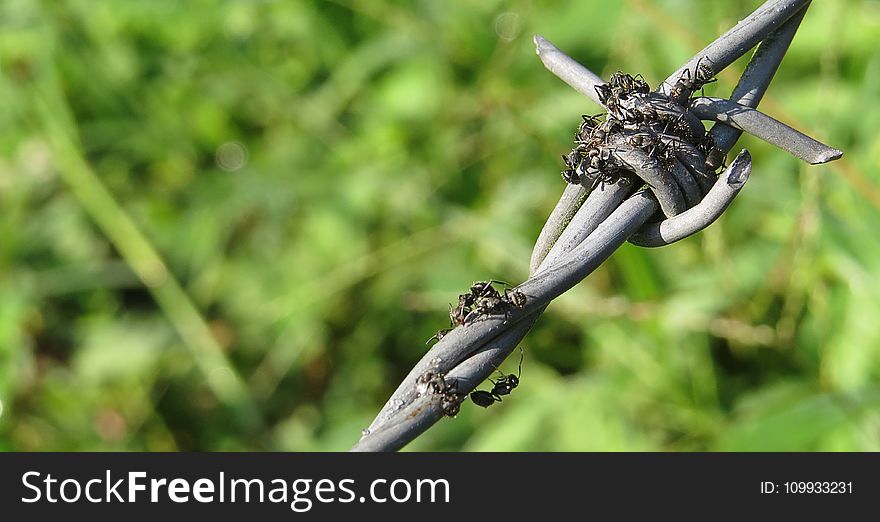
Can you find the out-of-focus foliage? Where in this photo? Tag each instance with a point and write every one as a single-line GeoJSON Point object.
{"type": "Point", "coordinates": [230, 225]}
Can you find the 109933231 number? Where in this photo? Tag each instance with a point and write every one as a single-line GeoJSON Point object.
{"type": "Point", "coordinates": [817, 487]}
{"type": "Point", "coordinates": [807, 487]}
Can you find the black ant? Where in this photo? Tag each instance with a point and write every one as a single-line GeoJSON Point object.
{"type": "Point", "coordinates": [603, 93]}
{"type": "Point", "coordinates": [715, 157]}
{"type": "Point", "coordinates": [624, 84]}
{"type": "Point", "coordinates": [495, 302]}
{"type": "Point", "coordinates": [485, 288]}
{"type": "Point", "coordinates": [483, 306]}
{"type": "Point", "coordinates": [619, 88]}
{"type": "Point", "coordinates": [588, 125]}
{"type": "Point", "coordinates": [686, 86]}
{"type": "Point", "coordinates": [514, 297]}
{"type": "Point", "coordinates": [502, 386]}
{"type": "Point", "coordinates": [715, 160]}
{"type": "Point", "coordinates": [483, 299]}
{"type": "Point", "coordinates": [467, 301]}
{"type": "Point", "coordinates": [432, 382]}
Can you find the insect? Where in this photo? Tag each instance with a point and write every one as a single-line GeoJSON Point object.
{"type": "Point", "coordinates": [623, 84]}
{"type": "Point", "coordinates": [620, 100]}
{"type": "Point", "coordinates": [588, 163]}
{"type": "Point", "coordinates": [618, 88]}
{"type": "Point", "coordinates": [432, 382]}
{"type": "Point", "coordinates": [646, 139]}
{"type": "Point", "coordinates": [588, 125]}
{"type": "Point", "coordinates": [570, 177]}
{"type": "Point", "coordinates": [604, 93]}
{"type": "Point", "coordinates": [715, 157]}
{"type": "Point", "coordinates": [468, 300]}
{"type": "Point", "coordinates": [686, 85]}
{"type": "Point", "coordinates": [483, 306]}
{"type": "Point", "coordinates": [450, 402]}
{"type": "Point", "coordinates": [457, 314]}
{"type": "Point", "coordinates": [498, 302]}
{"type": "Point", "coordinates": [502, 386]}
{"type": "Point", "coordinates": [514, 297]}
{"type": "Point", "coordinates": [480, 300]}
{"type": "Point", "coordinates": [484, 288]}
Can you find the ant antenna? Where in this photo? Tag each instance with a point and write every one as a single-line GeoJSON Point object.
{"type": "Point", "coordinates": [518, 371]}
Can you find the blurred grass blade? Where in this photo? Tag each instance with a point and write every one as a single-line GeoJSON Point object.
{"type": "Point", "coordinates": [219, 373]}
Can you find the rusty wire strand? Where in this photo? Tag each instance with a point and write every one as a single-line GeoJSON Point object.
{"type": "Point", "coordinates": [583, 230]}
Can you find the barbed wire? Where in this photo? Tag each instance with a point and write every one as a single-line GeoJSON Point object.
{"type": "Point", "coordinates": [599, 211]}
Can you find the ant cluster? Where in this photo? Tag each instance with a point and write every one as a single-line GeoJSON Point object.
{"type": "Point", "coordinates": [433, 382]}
{"type": "Point", "coordinates": [481, 300]}
{"type": "Point", "coordinates": [652, 122]}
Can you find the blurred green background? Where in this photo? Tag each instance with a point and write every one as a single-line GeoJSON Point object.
{"type": "Point", "coordinates": [232, 225]}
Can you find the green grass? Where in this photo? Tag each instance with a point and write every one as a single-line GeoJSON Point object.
{"type": "Point", "coordinates": [155, 296]}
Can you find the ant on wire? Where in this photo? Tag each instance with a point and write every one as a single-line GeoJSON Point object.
{"type": "Point", "coordinates": [481, 300]}
{"type": "Point", "coordinates": [434, 383]}
{"type": "Point", "coordinates": [686, 85]}
{"type": "Point", "coordinates": [502, 386]}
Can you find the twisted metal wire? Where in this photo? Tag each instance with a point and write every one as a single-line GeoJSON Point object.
{"type": "Point", "coordinates": [587, 226]}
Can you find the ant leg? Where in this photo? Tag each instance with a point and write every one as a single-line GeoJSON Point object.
{"type": "Point", "coordinates": [499, 282]}
{"type": "Point", "coordinates": [522, 354]}
{"type": "Point", "coordinates": [503, 375]}
{"type": "Point", "coordinates": [452, 321]}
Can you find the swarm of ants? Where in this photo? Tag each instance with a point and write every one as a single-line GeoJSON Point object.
{"type": "Point", "coordinates": [657, 124]}
{"type": "Point", "coordinates": [654, 123]}
{"type": "Point", "coordinates": [481, 300]}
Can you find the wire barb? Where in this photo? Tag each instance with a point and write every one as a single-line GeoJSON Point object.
{"type": "Point", "coordinates": [589, 223]}
{"type": "Point", "coordinates": [703, 214]}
